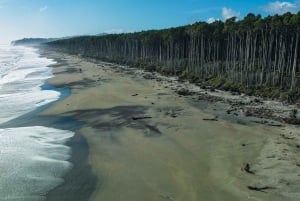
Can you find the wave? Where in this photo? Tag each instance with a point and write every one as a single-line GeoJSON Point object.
{"type": "Point", "coordinates": [33, 159]}
{"type": "Point", "coordinates": [22, 73]}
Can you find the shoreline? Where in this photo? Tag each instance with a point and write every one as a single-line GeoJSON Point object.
{"type": "Point", "coordinates": [77, 143]}
{"type": "Point", "coordinates": [80, 151]}
{"type": "Point", "coordinates": [110, 128]}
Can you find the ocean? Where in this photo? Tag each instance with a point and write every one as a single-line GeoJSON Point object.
{"type": "Point", "coordinates": [33, 159]}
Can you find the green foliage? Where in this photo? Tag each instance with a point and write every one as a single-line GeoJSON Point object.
{"type": "Point", "coordinates": [217, 82]}
{"type": "Point", "coordinates": [270, 92]}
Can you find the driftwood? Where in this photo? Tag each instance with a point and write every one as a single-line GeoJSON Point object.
{"type": "Point", "coordinates": [268, 123]}
{"type": "Point", "coordinates": [139, 118]}
{"type": "Point", "coordinates": [260, 189]}
{"type": "Point", "coordinates": [275, 125]}
{"type": "Point", "coordinates": [247, 168]}
{"type": "Point", "coordinates": [185, 92]}
{"type": "Point", "coordinates": [210, 119]}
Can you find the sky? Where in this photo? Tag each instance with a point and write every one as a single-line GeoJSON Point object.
{"type": "Point", "coordinates": [58, 18]}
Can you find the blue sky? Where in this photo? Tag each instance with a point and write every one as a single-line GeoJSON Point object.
{"type": "Point", "coordinates": [56, 18]}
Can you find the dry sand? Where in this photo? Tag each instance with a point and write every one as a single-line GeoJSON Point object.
{"type": "Point", "coordinates": [174, 155]}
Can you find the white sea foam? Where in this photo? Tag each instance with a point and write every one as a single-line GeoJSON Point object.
{"type": "Point", "coordinates": [33, 160]}
{"type": "Point", "coordinates": [22, 73]}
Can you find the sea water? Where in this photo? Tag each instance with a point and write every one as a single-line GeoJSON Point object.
{"type": "Point", "coordinates": [33, 159]}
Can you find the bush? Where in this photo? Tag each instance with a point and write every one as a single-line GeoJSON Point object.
{"type": "Point", "coordinates": [216, 81]}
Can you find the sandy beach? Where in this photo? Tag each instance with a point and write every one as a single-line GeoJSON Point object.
{"type": "Point", "coordinates": [145, 142]}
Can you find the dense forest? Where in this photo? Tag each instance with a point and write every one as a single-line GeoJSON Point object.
{"type": "Point", "coordinates": [249, 55]}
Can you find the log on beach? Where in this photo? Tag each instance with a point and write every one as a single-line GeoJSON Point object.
{"type": "Point", "coordinates": [140, 118]}
{"type": "Point", "coordinates": [260, 189]}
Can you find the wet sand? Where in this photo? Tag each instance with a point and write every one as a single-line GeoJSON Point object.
{"type": "Point", "coordinates": [147, 143]}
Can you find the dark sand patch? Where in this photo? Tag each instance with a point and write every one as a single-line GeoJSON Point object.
{"type": "Point", "coordinates": [116, 118]}
{"type": "Point", "coordinates": [68, 71]}
{"type": "Point", "coordinates": [84, 83]}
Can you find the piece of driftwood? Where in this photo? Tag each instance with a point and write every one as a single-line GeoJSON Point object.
{"type": "Point", "coordinates": [185, 92]}
{"type": "Point", "coordinates": [275, 125]}
{"type": "Point", "coordinates": [139, 118]}
{"type": "Point", "coordinates": [260, 189]}
{"type": "Point", "coordinates": [210, 119]}
{"type": "Point", "coordinates": [247, 168]}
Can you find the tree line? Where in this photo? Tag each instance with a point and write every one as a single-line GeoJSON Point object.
{"type": "Point", "coordinates": [253, 52]}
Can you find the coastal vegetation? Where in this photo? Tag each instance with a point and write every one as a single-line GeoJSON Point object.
{"type": "Point", "coordinates": [255, 55]}
{"type": "Point", "coordinates": [32, 41]}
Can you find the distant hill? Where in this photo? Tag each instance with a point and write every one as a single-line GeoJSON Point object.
{"type": "Point", "coordinates": [101, 34]}
{"type": "Point", "coordinates": [38, 41]}
{"type": "Point", "coordinates": [33, 41]}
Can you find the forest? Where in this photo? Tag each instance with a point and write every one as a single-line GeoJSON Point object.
{"type": "Point", "coordinates": [254, 55]}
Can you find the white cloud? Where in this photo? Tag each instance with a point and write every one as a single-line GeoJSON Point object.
{"type": "Point", "coordinates": [229, 13]}
{"type": "Point", "coordinates": [42, 9]}
{"type": "Point", "coordinates": [211, 20]}
{"type": "Point", "coordinates": [279, 7]}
